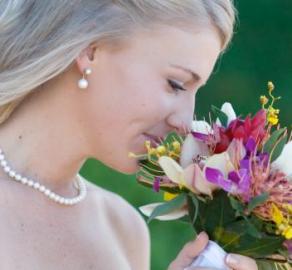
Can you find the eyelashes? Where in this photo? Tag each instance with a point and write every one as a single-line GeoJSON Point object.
{"type": "Point", "coordinates": [175, 86]}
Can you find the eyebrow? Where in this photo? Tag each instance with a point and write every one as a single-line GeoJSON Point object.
{"type": "Point", "coordinates": [195, 75]}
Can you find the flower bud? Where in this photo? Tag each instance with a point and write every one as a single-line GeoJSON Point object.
{"type": "Point", "coordinates": [264, 100]}
{"type": "Point", "coordinates": [271, 86]}
{"type": "Point", "coordinates": [176, 146]}
{"type": "Point", "coordinates": [161, 150]}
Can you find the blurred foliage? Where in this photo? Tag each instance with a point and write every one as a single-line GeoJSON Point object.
{"type": "Point", "coordinates": [260, 51]}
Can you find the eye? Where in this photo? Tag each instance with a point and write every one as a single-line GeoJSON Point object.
{"type": "Point", "coordinates": [175, 86]}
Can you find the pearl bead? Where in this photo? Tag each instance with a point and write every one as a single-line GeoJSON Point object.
{"type": "Point", "coordinates": [36, 185]}
{"type": "Point", "coordinates": [80, 185]}
{"type": "Point", "coordinates": [52, 196]}
{"type": "Point", "coordinates": [7, 169]}
{"type": "Point", "coordinates": [3, 162]}
{"type": "Point", "coordinates": [88, 71]}
{"type": "Point", "coordinates": [83, 83]}
{"type": "Point", "coordinates": [30, 183]}
{"type": "Point", "coordinates": [23, 180]}
{"type": "Point", "coordinates": [11, 173]}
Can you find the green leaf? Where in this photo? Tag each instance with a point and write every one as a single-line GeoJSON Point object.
{"type": "Point", "coordinates": [151, 168]}
{"type": "Point", "coordinates": [171, 137]}
{"type": "Point", "coordinates": [168, 207]}
{"type": "Point", "coordinates": [276, 152]}
{"type": "Point", "coordinates": [214, 214]}
{"type": "Point", "coordinates": [269, 145]}
{"type": "Point", "coordinates": [255, 247]}
{"type": "Point", "coordinates": [221, 115]}
{"type": "Point", "coordinates": [251, 229]}
{"type": "Point", "coordinates": [248, 245]}
{"type": "Point", "coordinates": [195, 208]}
{"type": "Point", "coordinates": [266, 265]}
{"type": "Point", "coordinates": [258, 200]}
{"type": "Point", "coordinates": [236, 205]}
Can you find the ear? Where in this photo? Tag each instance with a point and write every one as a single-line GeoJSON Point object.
{"type": "Point", "coordinates": [87, 57]}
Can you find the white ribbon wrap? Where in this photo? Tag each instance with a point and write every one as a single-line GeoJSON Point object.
{"type": "Point", "coordinates": [212, 256]}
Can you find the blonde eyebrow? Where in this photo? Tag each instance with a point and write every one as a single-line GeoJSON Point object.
{"type": "Point", "coordinates": [196, 76]}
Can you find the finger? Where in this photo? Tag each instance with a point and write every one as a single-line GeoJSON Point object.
{"type": "Point", "coordinates": [239, 262]}
{"type": "Point", "coordinates": [201, 268]}
{"type": "Point", "coordinates": [189, 252]}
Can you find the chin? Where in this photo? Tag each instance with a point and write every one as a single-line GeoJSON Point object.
{"type": "Point", "coordinates": [126, 167]}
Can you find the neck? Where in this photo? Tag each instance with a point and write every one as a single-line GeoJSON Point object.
{"type": "Point", "coordinates": [38, 145]}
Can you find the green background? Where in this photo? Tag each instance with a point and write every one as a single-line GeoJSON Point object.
{"type": "Point", "coordinates": [260, 51]}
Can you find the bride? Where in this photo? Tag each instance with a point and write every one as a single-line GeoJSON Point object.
{"type": "Point", "coordinates": [89, 78]}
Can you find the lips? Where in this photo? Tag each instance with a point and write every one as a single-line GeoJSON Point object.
{"type": "Point", "coordinates": [154, 139]}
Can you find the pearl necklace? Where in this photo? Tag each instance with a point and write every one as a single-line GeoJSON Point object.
{"type": "Point", "coordinates": [37, 186]}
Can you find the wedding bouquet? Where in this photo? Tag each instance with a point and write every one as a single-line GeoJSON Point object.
{"type": "Point", "coordinates": [232, 178]}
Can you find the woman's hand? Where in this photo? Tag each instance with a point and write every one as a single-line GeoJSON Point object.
{"type": "Point", "coordinates": [192, 249]}
{"type": "Point", "coordinates": [239, 262]}
{"type": "Point", "coordinates": [189, 252]}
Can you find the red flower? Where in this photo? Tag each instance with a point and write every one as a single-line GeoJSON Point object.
{"type": "Point", "coordinates": [242, 129]}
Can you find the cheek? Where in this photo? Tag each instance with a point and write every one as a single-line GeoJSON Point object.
{"type": "Point", "coordinates": [117, 112]}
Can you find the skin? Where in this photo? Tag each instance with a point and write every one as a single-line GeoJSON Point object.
{"type": "Point", "coordinates": [59, 126]}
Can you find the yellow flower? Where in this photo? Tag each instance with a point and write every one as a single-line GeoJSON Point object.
{"type": "Point", "coordinates": [161, 150]}
{"type": "Point", "coordinates": [273, 119]}
{"type": "Point", "coordinates": [277, 215]}
{"type": "Point", "coordinates": [176, 147]}
{"type": "Point", "coordinates": [288, 232]}
{"type": "Point", "coordinates": [271, 86]}
{"type": "Point", "coordinates": [167, 196]}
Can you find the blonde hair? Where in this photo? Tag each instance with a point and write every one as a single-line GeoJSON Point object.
{"type": "Point", "coordinates": [39, 39]}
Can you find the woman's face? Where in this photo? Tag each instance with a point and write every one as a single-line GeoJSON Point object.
{"type": "Point", "coordinates": [129, 95]}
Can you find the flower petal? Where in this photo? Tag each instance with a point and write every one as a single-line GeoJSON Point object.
{"type": "Point", "coordinates": [283, 162]}
{"type": "Point", "coordinates": [201, 127]}
{"type": "Point", "coordinates": [221, 162]}
{"type": "Point", "coordinates": [191, 148]}
{"type": "Point", "coordinates": [172, 169]}
{"type": "Point", "coordinates": [229, 111]}
{"type": "Point", "coordinates": [196, 181]}
{"type": "Point", "coordinates": [236, 151]}
{"type": "Point", "coordinates": [216, 177]}
{"type": "Point", "coordinates": [176, 214]}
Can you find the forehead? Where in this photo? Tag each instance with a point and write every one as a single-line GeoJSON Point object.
{"type": "Point", "coordinates": [196, 49]}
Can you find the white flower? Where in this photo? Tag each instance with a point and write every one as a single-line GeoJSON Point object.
{"type": "Point", "coordinates": [229, 111]}
{"type": "Point", "coordinates": [175, 214]}
{"type": "Point", "coordinates": [192, 147]}
{"type": "Point", "coordinates": [283, 162]}
{"type": "Point", "coordinates": [201, 126]}
{"type": "Point", "coordinates": [190, 177]}
{"type": "Point", "coordinates": [190, 174]}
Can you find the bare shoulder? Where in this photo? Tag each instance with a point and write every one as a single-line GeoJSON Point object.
{"type": "Point", "coordinates": [118, 208]}
{"type": "Point", "coordinates": [127, 224]}
{"type": "Point", "coordinates": [121, 214]}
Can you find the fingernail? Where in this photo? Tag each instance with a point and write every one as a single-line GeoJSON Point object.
{"type": "Point", "coordinates": [200, 235]}
{"type": "Point", "coordinates": [232, 260]}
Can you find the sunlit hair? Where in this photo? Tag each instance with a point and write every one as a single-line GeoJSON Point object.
{"type": "Point", "coordinates": [39, 39]}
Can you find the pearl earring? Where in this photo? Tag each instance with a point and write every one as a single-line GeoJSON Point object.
{"type": "Point", "coordinates": [83, 83]}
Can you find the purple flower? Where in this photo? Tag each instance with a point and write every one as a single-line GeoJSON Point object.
{"type": "Point", "coordinates": [238, 182]}
{"type": "Point", "coordinates": [156, 184]}
{"type": "Point", "coordinates": [201, 136]}
{"type": "Point", "coordinates": [250, 145]}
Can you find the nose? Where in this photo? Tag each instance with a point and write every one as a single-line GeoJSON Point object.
{"type": "Point", "coordinates": [182, 115]}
